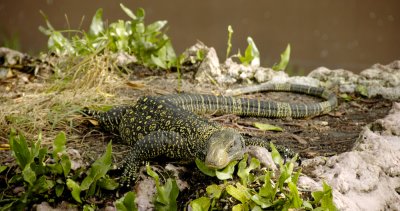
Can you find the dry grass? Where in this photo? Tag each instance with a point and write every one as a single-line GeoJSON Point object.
{"type": "Point", "coordinates": [53, 106]}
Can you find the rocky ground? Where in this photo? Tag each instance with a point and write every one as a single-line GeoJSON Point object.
{"type": "Point", "coordinates": [354, 148]}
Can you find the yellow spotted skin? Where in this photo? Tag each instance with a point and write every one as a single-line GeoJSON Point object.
{"type": "Point", "coordinates": [165, 126]}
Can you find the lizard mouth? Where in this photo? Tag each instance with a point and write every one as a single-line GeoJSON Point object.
{"type": "Point", "coordinates": [218, 159]}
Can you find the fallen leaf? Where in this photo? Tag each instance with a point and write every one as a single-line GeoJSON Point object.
{"type": "Point", "coordinates": [265, 127]}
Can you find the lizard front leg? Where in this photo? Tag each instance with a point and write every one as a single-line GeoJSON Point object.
{"type": "Point", "coordinates": [157, 143]}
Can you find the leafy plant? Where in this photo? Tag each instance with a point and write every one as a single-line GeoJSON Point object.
{"type": "Point", "coordinates": [285, 56]}
{"type": "Point", "coordinates": [251, 55]}
{"type": "Point", "coordinates": [149, 44]}
{"type": "Point", "coordinates": [273, 192]}
{"type": "Point", "coordinates": [45, 176]}
{"type": "Point", "coordinates": [127, 202]}
{"type": "Point", "coordinates": [166, 194]}
{"type": "Point", "coordinates": [96, 178]}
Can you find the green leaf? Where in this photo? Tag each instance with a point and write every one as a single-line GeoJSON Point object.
{"type": "Point", "coordinates": [285, 56]}
{"type": "Point", "coordinates": [153, 174]}
{"type": "Point", "coordinates": [244, 172]}
{"type": "Point", "coordinates": [2, 168]}
{"type": "Point", "coordinates": [59, 145]}
{"type": "Point", "coordinates": [214, 191]}
{"type": "Point", "coordinates": [65, 164]}
{"type": "Point", "coordinates": [363, 90]}
{"type": "Point", "coordinates": [167, 195]}
{"type": "Point", "coordinates": [29, 175]}
{"type": "Point", "coordinates": [20, 150]}
{"type": "Point", "coordinates": [98, 169]}
{"type": "Point", "coordinates": [227, 172]}
{"type": "Point", "coordinates": [295, 199]}
{"type": "Point", "coordinates": [75, 190]}
{"type": "Point", "coordinates": [200, 204]}
{"type": "Point", "coordinates": [262, 201]}
{"type": "Point", "coordinates": [59, 188]}
{"type": "Point", "coordinates": [158, 62]}
{"type": "Point", "coordinates": [276, 157]}
{"type": "Point", "coordinates": [89, 207]}
{"type": "Point", "coordinates": [156, 26]}
{"type": "Point", "coordinates": [286, 171]}
{"type": "Point", "coordinates": [240, 207]}
{"type": "Point", "coordinates": [96, 27]}
{"type": "Point", "coordinates": [128, 12]}
{"type": "Point", "coordinates": [346, 97]}
{"type": "Point", "coordinates": [107, 183]}
{"type": "Point", "coordinates": [239, 192]}
{"type": "Point", "coordinates": [127, 202]}
{"type": "Point", "coordinates": [42, 185]}
{"type": "Point", "coordinates": [267, 190]}
{"type": "Point", "coordinates": [251, 55]}
{"type": "Point", "coordinates": [203, 168]}
{"type": "Point", "coordinates": [324, 197]}
{"type": "Point", "coordinates": [267, 127]}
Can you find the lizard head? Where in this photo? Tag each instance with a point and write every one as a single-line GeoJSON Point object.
{"type": "Point", "coordinates": [223, 147]}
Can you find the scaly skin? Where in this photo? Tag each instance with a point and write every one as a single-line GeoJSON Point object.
{"type": "Point", "coordinates": [166, 126]}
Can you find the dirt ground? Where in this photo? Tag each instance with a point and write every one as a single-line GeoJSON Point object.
{"type": "Point", "coordinates": [327, 135]}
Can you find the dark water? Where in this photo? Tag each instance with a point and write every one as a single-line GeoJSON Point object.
{"type": "Point", "coordinates": [351, 34]}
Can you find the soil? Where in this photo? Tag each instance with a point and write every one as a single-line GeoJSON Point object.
{"type": "Point", "coordinates": [329, 134]}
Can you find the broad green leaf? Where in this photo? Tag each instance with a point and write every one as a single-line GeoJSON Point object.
{"type": "Point", "coordinates": [200, 204]}
{"type": "Point", "coordinates": [214, 191]}
{"type": "Point", "coordinates": [256, 208]}
{"type": "Point", "coordinates": [29, 175]}
{"type": "Point", "coordinates": [286, 171]}
{"type": "Point", "coordinates": [324, 197]}
{"type": "Point", "coordinates": [239, 192]}
{"type": "Point", "coordinates": [2, 168]}
{"type": "Point", "coordinates": [240, 207]}
{"type": "Point", "coordinates": [59, 145]}
{"type": "Point", "coordinates": [140, 13]}
{"type": "Point", "coordinates": [20, 150]}
{"type": "Point", "coordinates": [261, 201]}
{"type": "Point", "coordinates": [167, 195]}
{"type": "Point", "coordinates": [227, 172]}
{"type": "Point", "coordinates": [276, 157]}
{"type": "Point", "coordinates": [244, 172]}
{"type": "Point", "coordinates": [156, 26]}
{"type": "Point", "coordinates": [296, 176]}
{"type": "Point", "coordinates": [158, 62]}
{"type": "Point", "coordinates": [43, 185]}
{"type": "Point", "coordinates": [96, 27]}
{"type": "Point", "coordinates": [267, 127]}
{"type": "Point", "coordinates": [203, 168]}
{"type": "Point", "coordinates": [59, 188]}
{"type": "Point", "coordinates": [65, 164]}
{"type": "Point", "coordinates": [267, 190]}
{"type": "Point", "coordinates": [127, 202]}
{"type": "Point", "coordinates": [89, 207]}
{"type": "Point", "coordinates": [98, 169]}
{"type": "Point", "coordinates": [285, 56]}
{"type": "Point", "coordinates": [251, 55]}
{"type": "Point", "coordinates": [308, 206]}
{"type": "Point", "coordinates": [75, 190]}
{"type": "Point", "coordinates": [107, 183]}
{"type": "Point", "coordinates": [296, 201]}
